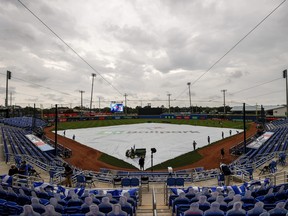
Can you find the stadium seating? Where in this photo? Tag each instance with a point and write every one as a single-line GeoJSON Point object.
{"type": "Point", "coordinates": [251, 196]}
{"type": "Point", "coordinates": [71, 203]}
{"type": "Point", "coordinates": [15, 141]}
{"type": "Point", "coordinates": [24, 122]}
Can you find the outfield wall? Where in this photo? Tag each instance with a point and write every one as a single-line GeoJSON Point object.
{"type": "Point", "coordinates": [163, 116]}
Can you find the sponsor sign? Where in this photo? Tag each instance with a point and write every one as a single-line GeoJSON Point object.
{"type": "Point", "coordinates": [39, 143]}
{"type": "Point", "coordinates": [260, 140]}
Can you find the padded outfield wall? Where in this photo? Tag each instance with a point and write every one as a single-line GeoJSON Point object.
{"type": "Point", "coordinates": [163, 116]}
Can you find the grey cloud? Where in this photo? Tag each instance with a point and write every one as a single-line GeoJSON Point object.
{"type": "Point", "coordinates": [2, 90]}
{"type": "Point", "coordinates": [236, 74]}
{"type": "Point", "coordinates": [54, 97]}
{"type": "Point", "coordinates": [133, 35]}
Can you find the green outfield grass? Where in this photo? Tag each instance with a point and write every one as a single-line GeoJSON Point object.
{"type": "Point", "coordinates": [188, 158]}
{"type": "Point", "coordinates": [103, 123]}
{"type": "Point", "coordinates": [115, 161]}
{"type": "Point", "coordinates": [180, 161]}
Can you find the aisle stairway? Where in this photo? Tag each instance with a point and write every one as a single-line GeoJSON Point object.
{"type": "Point", "coordinates": [160, 212]}
{"type": "Point", "coordinates": [146, 207]}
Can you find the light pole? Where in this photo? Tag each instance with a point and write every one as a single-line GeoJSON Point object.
{"type": "Point", "coordinates": [93, 75]}
{"type": "Point", "coordinates": [8, 76]}
{"type": "Point", "coordinates": [99, 103]}
{"type": "Point", "coordinates": [81, 93]}
{"type": "Point", "coordinates": [224, 91]}
{"type": "Point", "coordinates": [56, 129]}
{"type": "Point", "coordinates": [169, 95]}
{"type": "Point", "coordinates": [244, 127]}
{"type": "Point", "coordinates": [285, 76]}
{"type": "Point", "coordinates": [153, 150]}
{"type": "Point", "coordinates": [189, 84]}
{"type": "Point", "coordinates": [125, 95]}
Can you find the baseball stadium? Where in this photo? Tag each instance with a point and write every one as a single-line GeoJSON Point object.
{"type": "Point", "coordinates": [157, 187]}
{"type": "Point", "coordinates": [139, 142]}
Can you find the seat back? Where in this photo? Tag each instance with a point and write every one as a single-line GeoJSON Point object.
{"type": "Point", "coordinates": [125, 182]}
{"type": "Point", "coordinates": [3, 209]}
{"type": "Point", "coordinates": [39, 210]}
{"type": "Point", "coordinates": [235, 214]}
{"type": "Point", "coordinates": [127, 209]}
{"type": "Point", "coordinates": [74, 203]}
{"type": "Point", "coordinates": [134, 182]}
{"type": "Point", "coordinates": [179, 182]}
{"type": "Point", "coordinates": [171, 182]}
{"type": "Point", "coordinates": [105, 209]}
{"type": "Point", "coordinates": [278, 214]}
{"type": "Point", "coordinates": [177, 202]}
{"type": "Point", "coordinates": [81, 180]}
{"type": "Point", "coordinates": [85, 209]}
{"type": "Point", "coordinates": [13, 208]}
{"type": "Point", "coordinates": [12, 197]}
{"type": "Point", "coordinates": [23, 200]}
{"type": "Point", "coordinates": [72, 210]}
{"type": "Point", "coordinates": [214, 214]}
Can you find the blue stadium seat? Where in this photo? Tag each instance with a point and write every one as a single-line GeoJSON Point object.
{"type": "Point", "coordinates": [127, 209]}
{"type": "Point", "coordinates": [3, 208]}
{"type": "Point", "coordinates": [23, 200]}
{"type": "Point", "coordinates": [179, 182]}
{"type": "Point", "coordinates": [125, 182]}
{"type": "Point", "coordinates": [74, 203]}
{"type": "Point", "coordinates": [214, 214]}
{"type": "Point", "coordinates": [59, 209]}
{"type": "Point", "coordinates": [39, 210]}
{"type": "Point", "coordinates": [13, 208]}
{"type": "Point", "coordinates": [81, 181]}
{"type": "Point", "coordinates": [72, 210]}
{"type": "Point", "coordinates": [3, 194]}
{"type": "Point", "coordinates": [105, 209]}
{"type": "Point", "coordinates": [85, 209]}
{"type": "Point", "coordinates": [181, 208]}
{"type": "Point", "coordinates": [248, 201]}
{"type": "Point", "coordinates": [171, 182]}
{"type": "Point", "coordinates": [12, 197]}
{"type": "Point", "coordinates": [134, 182]}
{"type": "Point", "coordinates": [177, 202]}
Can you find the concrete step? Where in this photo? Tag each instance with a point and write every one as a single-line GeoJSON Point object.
{"type": "Point", "coordinates": [147, 211]}
{"type": "Point", "coordinates": [150, 213]}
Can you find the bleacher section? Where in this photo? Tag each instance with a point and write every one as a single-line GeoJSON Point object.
{"type": "Point", "coordinates": [68, 202]}
{"type": "Point", "coordinates": [24, 122]}
{"type": "Point", "coordinates": [181, 199]}
{"type": "Point", "coordinates": [16, 144]}
{"type": "Point", "coordinates": [273, 148]}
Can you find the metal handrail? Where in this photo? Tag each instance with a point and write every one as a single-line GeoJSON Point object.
{"type": "Point", "coordinates": [23, 180]}
{"type": "Point", "coordinates": [276, 178]}
{"type": "Point", "coordinates": [256, 163]}
{"type": "Point", "coordinates": [154, 203]}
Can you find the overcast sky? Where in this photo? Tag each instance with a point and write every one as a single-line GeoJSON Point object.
{"type": "Point", "coordinates": [146, 49]}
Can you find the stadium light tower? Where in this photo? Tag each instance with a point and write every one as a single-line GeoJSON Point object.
{"type": "Point", "coordinates": [285, 77]}
{"type": "Point", "coordinates": [189, 84]}
{"type": "Point", "coordinates": [244, 126]}
{"type": "Point", "coordinates": [125, 95]}
{"type": "Point", "coordinates": [8, 76]}
{"type": "Point", "coordinates": [93, 75]}
{"type": "Point", "coordinates": [81, 93]}
{"type": "Point", "coordinates": [169, 95]}
{"type": "Point", "coordinates": [56, 130]}
{"type": "Point", "coordinates": [224, 91]}
{"type": "Point", "coordinates": [99, 102]}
